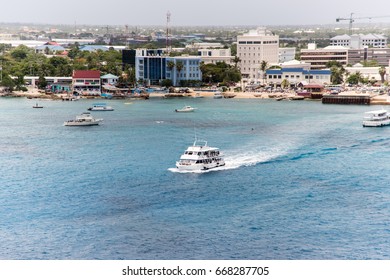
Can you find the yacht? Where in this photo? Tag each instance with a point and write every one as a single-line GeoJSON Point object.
{"type": "Point", "coordinates": [85, 119]}
{"type": "Point", "coordinates": [200, 156]}
{"type": "Point", "coordinates": [376, 118]}
{"type": "Point", "coordinates": [100, 107]}
{"type": "Point", "coordinates": [185, 109]}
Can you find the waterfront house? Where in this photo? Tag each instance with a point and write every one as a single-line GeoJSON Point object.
{"type": "Point", "coordinates": [86, 82]}
{"type": "Point", "coordinates": [109, 79]}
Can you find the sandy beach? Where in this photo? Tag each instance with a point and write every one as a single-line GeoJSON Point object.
{"type": "Point", "coordinates": [376, 99]}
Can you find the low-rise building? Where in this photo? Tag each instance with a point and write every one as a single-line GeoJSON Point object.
{"type": "Point", "coordinates": [298, 75]}
{"type": "Point", "coordinates": [86, 82]}
{"type": "Point", "coordinates": [318, 58]}
{"type": "Point", "coordinates": [216, 55]}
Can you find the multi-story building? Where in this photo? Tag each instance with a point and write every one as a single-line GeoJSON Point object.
{"type": "Point", "coordinates": [153, 67]}
{"type": "Point", "coordinates": [380, 55]}
{"type": "Point", "coordinates": [358, 41]}
{"type": "Point", "coordinates": [216, 55]}
{"type": "Point", "coordinates": [253, 48]}
{"type": "Point", "coordinates": [286, 54]}
{"type": "Point", "coordinates": [318, 58]}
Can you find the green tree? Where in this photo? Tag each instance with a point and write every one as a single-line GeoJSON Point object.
{"type": "Point", "coordinates": [354, 78]}
{"type": "Point", "coordinates": [20, 52]}
{"type": "Point", "coordinates": [382, 73]}
{"type": "Point", "coordinates": [179, 68]}
{"type": "Point", "coordinates": [285, 84]}
{"type": "Point", "coordinates": [42, 83]}
{"type": "Point", "coordinates": [170, 65]}
{"type": "Point", "coordinates": [236, 60]}
{"type": "Point", "coordinates": [7, 82]}
{"type": "Point", "coordinates": [337, 72]}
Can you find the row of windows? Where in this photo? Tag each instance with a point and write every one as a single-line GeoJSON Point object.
{"type": "Point", "coordinates": [307, 77]}
{"type": "Point", "coordinates": [191, 75]}
{"type": "Point", "coordinates": [256, 42]}
{"type": "Point", "coordinates": [88, 81]}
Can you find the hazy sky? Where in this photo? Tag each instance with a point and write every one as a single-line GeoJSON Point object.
{"type": "Point", "coordinates": [199, 12]}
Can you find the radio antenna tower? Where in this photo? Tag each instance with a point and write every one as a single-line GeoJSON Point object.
{"type": "Point", "coordinates": [168, 43]}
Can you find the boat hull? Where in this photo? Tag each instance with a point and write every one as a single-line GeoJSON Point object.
{"type": "Point", "coordinates": [376, 123]}
{"type": "Point", "coordinates": [199, 167]}
{"type": "Point", "coordinates": [73, 123]}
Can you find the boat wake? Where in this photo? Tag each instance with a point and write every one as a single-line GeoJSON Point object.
{"type": "Point", "coordinates": [240, 158]}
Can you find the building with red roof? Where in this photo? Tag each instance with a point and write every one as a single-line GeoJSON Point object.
{"type": "Point", "coordinates": [86, 82]}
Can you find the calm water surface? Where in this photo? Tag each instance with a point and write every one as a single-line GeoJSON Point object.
{"type": "Point", "coordinates": [303, 180]}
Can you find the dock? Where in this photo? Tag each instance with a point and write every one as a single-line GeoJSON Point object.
{"type": "Point", "coordinates": [359, 99]}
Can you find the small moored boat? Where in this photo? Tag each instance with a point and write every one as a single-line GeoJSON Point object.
{"type": "Point", "coordinates": [100, 107]}
{"type": "Point", "coordinates": [36, 106]}
{"type": "Point", "coordinates": [376, 118]}
{"type": "Point", "coordinates": [200, 156]}
{"type": "Point", "coordinates": [218, 95]}
{"type": "Point", "coordinates": [85, 119]}
{"type": "Point", "coordinates": [185, 109]}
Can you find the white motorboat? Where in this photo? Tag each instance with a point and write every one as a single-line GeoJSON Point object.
{"type": "Point", "coordinates": [218, 95]}
{"type": "Point", "coordinates": [185, 109]}
{"type": "Point", "coordinates": [199, 157]}
{"type": "Point", "coordinates": [85, 119]}
{"type": "Point", "coordinates": [100, 107]}
{"type": "Point", "coordinates": [376, 118]}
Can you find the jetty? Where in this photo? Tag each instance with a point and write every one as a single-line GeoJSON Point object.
{"type": "Point", "coordinates": [360, 99]}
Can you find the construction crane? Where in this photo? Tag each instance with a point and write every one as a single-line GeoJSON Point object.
{"type": "Point", "coordinates": [351, 19]}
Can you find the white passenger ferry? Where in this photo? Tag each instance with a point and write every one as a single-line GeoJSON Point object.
{"type": "Point", "coordinates": [200, 156]}
{"type": "Point", "coordinates": [376, 118]}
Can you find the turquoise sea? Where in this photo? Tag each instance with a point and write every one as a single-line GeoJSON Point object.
{"type": "Point", "coordinates": [303, 180]}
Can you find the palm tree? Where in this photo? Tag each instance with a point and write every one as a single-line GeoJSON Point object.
{"type": "Point", "coordinates": [285, 84]}
{"type": "Point", "coordinates": [263, 67]}
{"type": "Point", "coordinates": [236, 60]}
{"type": "Point", "coordinates": [337, 73]}
{"type": "Point", "coordinates": [179, 67]}
{"type": "Point", "coordinates": [382, 73]}
{"type": "Point", "coordinates": [170, 65]}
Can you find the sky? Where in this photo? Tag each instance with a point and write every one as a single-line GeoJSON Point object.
{"type": "Point", "coordinates": [192, 13]}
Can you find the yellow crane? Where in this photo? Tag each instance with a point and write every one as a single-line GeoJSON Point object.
{"type": "Point", "coordinates": [351, 19]}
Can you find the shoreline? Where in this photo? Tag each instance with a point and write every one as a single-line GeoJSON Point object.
{"type": "Point", "coordinates": [35, 94]}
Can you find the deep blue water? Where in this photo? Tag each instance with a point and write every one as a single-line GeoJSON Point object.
{"type": "Point", "coordinates": [303, 180]}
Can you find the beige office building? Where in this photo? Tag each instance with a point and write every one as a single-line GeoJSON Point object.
{"type": "Point", "coordinates": [253, 48]}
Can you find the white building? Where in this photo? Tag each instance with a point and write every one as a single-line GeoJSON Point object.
{"type": "Point", "coordinates": [358, 41]}
{"type": "Point", "coordinates": [253, 48]}
{"type": "Point", "coordinates": [286, 54]}
{"type": "Point", "coordinates": [371, 73]}
{"type": "Point", "coordinates": [216, 55]}
{"type": "Point", "coordinates": [206, 45]}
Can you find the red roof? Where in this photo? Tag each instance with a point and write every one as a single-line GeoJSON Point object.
{"type": "Point", "coordinates": [86, 74]}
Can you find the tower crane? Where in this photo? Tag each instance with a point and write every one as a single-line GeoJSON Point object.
{"type": "Point", "coordinates": [351, 19]}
